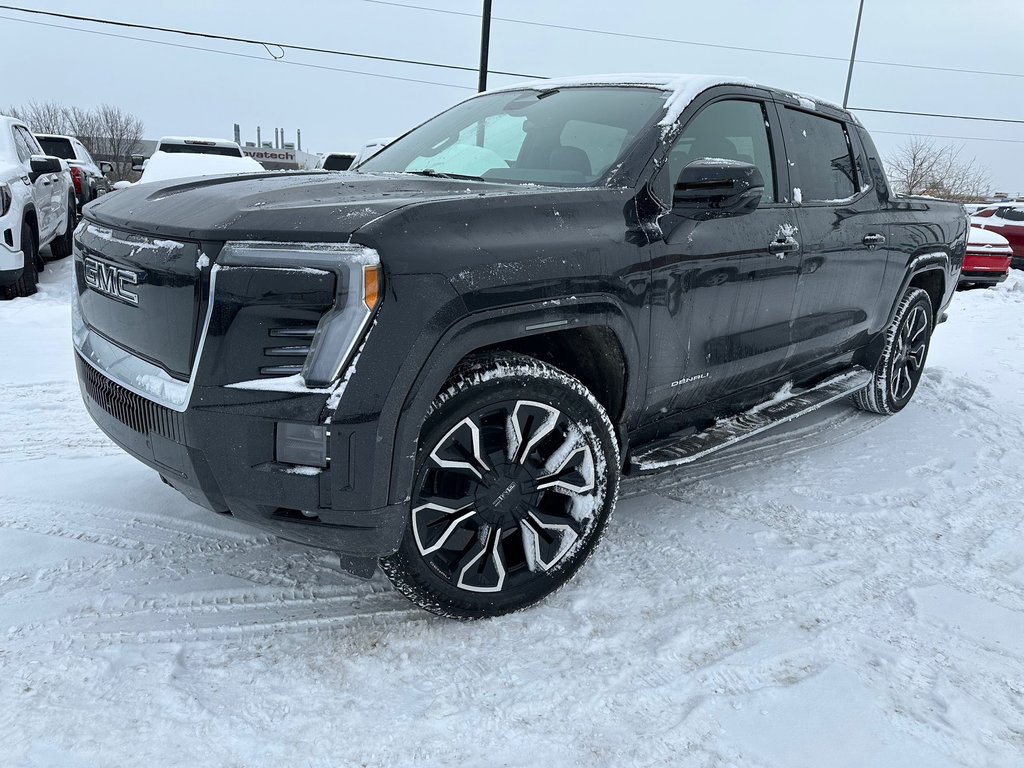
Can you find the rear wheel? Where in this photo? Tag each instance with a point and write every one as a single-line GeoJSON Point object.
{"type": "Point", "coordinates": [62, 246]}
{"type": "Point", "coordinates": [901, 364]}
{"type": "Point", "coordinates": [26, 284]}
{"type": "Point", "coordinates": [517, 473]}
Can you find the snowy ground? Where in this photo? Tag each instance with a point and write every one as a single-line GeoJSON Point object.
{"type": "Point", "coordinates": [848, 592]}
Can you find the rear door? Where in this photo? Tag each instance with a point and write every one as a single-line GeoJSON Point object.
{"type": "Point", "coordinates": [843, 233]}
{"type": "Point", "coordinates": [723, 288]}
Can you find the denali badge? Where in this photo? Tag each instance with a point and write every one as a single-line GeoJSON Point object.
{"type": "Point", "coordinates": [111, 280]}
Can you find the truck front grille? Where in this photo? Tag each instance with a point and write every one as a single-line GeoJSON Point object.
{"type": "Point", "coordinates": [134, 411]}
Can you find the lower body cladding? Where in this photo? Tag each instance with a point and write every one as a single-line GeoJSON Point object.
{"type": "Point", "coordinates": [224, 458]}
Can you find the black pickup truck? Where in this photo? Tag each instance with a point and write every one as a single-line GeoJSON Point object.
{"type": "Point", "coordinates": [443, 361]}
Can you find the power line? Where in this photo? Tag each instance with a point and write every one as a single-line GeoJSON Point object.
{"type": "Point", "coordinates": [935, 114]}
{"type": "Point", "coordinates": [607, 32]}
{"type": "Point", "coordinates": [940, 136]}
{"type": "Point", "coordinates": [264, 43]}
{"type": "Point", "coordinates": [239, 55]}
{"type": "Point", "coordinates": [772, 52]}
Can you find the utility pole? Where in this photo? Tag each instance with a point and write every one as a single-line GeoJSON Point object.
{"type": "Point", "coordinates": [485, 44]}
{"type": "Point", "coordinates": [853, 55]}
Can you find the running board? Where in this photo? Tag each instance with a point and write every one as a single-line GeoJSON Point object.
{"type": "Point", "coordinates": [762, 417]}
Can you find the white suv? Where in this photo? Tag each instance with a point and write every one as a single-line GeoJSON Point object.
{"type": "Point", "coordinates": [37, 207]}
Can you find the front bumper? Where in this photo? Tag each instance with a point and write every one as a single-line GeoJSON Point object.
{"type": "Point", "coordinates": [222, 458]}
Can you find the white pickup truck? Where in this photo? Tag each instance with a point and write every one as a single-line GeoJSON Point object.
{"type": "Point", "coordinates": [37, 207]}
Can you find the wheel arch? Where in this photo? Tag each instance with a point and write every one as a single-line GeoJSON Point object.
{"type": "Point", "coordinates": [589, 338]}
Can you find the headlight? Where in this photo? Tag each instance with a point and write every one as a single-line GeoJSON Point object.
{"type": "Point", "coordinates": [5, 199]}
{"type": "Point", "coordinates": [357, 293]}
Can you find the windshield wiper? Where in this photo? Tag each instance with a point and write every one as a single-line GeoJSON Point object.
{"type": "Point", "coordinates": [440, 175]}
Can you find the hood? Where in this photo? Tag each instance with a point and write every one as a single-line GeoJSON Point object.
{"type": "Point", "coordinates": [314, 206]}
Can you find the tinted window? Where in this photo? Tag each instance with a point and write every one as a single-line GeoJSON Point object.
{"type": "Point", "coordinates": [58, 148]}
{"type": "Point", "coordinates": [560, 136]}
{"type": "Point", "coordinates": [820, 158]}
{"type": "Point", "coordinates": [728, 130]}
{"type": "Point", "coordinates": [1011, 214]}
{"type": "Point", "coordinates": [338, 162]}
{"type": "Point", "coordinates": [200, 149]}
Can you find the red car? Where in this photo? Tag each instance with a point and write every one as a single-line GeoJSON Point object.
{"type": "Point", "coordinates": [987, 261]}
{"type": "Point", "coordinates": [1008, 220]}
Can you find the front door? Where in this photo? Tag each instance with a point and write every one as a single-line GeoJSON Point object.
{"type": "Point", "coordinates": [723, 288]}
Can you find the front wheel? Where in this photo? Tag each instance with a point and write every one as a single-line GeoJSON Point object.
{"type": "Point", "coordinates": [901, 363]}
{"type": "Point", "coordinates": [517, 473]}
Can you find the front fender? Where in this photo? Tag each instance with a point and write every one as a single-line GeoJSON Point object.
{"type": "Point", "coordinates": [491, 328]}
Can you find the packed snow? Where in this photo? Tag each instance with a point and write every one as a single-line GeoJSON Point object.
{"type": "Point", "coordinates": [845, 591]}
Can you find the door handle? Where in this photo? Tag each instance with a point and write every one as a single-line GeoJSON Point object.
{"type": "Point", "coordinates": [782, 247]}
{"type": "Point", "coordinates": [46, 183]}
{"type": "Point", "coordinates": [873, 239]}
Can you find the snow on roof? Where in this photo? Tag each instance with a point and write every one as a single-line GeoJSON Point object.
{"type": "Point", "coordinates": [683, 88]}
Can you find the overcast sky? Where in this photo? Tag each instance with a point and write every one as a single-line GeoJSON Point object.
{"type": "Point", "coordinates": [185, 91]}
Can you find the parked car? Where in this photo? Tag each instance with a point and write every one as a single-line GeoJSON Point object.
{"type": "Point", "coordinates": [1008, 221]}
{"type": "Point", "coordinates": [988, 259]}
{"type": "Point", "coordinates": [189, 145]}
{"type": "Point", "coordinates": [443, 361]}
{"type": "Point", "coordinates": [178, 165]}
{"type": "Point", "coordinates": [337, 161]}
{"type": "Point", "coordinates": [37, 208]}
{"type": "Point", "coordinates": [89, 178]}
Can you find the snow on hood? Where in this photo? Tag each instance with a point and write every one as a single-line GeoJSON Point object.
{"type": "Point", "coordinates": [181, 165]}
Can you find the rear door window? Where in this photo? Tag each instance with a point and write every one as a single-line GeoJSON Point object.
{"type": "Point", "coordinates": [820, 157]}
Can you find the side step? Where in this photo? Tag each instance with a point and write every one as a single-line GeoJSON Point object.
{"type": "Point", "coordinates": [762, 417]}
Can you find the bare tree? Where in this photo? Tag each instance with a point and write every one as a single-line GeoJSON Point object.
{"type": "Point", "coordinates": [107, 131]}
{"type": "Point", "coordinates": [923, 167]}
{"type": "Point", "coordinates": [42, 117]}
{"type": "Point", "coordinates": [117, 136]}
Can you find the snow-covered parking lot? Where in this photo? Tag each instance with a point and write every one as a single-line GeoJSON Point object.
{"type": "Point", "coordinates": [848, 591]}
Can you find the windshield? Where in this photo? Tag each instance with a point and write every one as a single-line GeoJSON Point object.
{"type": "Point", "coordinates": [57, 148]}
{"type": "Point", "coordinates": [571, 136]}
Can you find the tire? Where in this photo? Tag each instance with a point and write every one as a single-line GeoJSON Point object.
{"type": "Point", "coordinates": [901, 363]}
{"type": "Point", "coordinates": [26, 284]}
{"type": "Point", "coordinates": [62, 246]}
{"type": "Point", "coordinates": [516, 476]}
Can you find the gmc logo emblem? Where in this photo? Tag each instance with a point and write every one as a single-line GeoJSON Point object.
{"type": "Point", "coordinates": [111, 280]}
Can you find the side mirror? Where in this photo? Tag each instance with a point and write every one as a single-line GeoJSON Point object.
{"type": "Point", "coordinates": [709, 189]}
{"type": "Point", "coordinates": [106, 167]}
{"type": "Point", "coordinates": [138, 163]}
{"type": "Point", "coordinates": [43, 164]}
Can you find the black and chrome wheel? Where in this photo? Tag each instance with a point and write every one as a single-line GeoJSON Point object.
{"type": "Point", "coordinates": [901, 364]}
{"type": "Point", "coordinates": [517, 473]}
